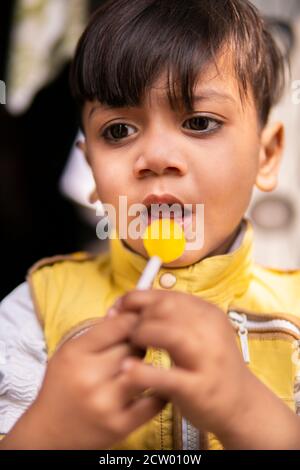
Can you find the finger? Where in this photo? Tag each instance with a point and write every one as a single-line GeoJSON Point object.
{"type": "Point", "coordinates": [172, 338]}
{"type": "Point", "coordinates": [164, 382]}
{"type": "Point", "coordinates": [141, 411]}
{"type": "Point", "coordinates": [161, 311]}
{"type": "Point", "coordinates": [135, 300]}
{"type": "Point", "coordinates": [107, 333]}
{"type": "Point", "coordinates": [123, 391]}
{"type": "Point", "coordinates": [110, 361]}
{"type": "Point", "coordinates": [158, 310]}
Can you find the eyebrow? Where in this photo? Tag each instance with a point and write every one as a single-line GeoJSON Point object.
{"type": "Point", "coordinates": [205, 95]}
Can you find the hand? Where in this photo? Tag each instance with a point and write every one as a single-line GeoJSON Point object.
{"type": "Point", "coordinates": [86, 402]}
{"type": "Point", "coordinates": [209, 379]}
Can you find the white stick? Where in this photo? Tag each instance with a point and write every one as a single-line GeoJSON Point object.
{"type": "Point", "coordinates": [149, 273]}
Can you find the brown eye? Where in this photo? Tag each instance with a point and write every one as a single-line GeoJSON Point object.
{"type": "Point", "coordinates": [116, 132]}
{"type": "Point", "coordinates": [203, 124]}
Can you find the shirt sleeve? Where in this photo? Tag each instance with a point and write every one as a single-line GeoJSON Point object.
{"type": "Point", "coordinates": [23, 356]}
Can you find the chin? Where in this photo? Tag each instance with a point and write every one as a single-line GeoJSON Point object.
{"type": "Point", "coordinates": [188, 258]}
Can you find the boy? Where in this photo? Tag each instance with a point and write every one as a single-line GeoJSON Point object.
{"type": "Point", "coordinates": [174, 99]}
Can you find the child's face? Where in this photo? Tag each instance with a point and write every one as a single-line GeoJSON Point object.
{"type": "Point", "coordinates": [214, 160]}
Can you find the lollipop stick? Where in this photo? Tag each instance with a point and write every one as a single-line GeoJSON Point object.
{"type": "Point", "coordinates": [149, 273]}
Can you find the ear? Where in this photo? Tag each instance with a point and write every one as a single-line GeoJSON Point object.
{"type": "Point", "coordinates": [271, 149]}
{"type": "Point", "coordinates": [81, 145]}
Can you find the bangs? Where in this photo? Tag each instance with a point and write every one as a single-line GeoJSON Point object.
{"type": "Point", "coordinates": [128, 45]}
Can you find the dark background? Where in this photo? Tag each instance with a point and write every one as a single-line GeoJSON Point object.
{"type": "Point", "coordinates": [36, 220]}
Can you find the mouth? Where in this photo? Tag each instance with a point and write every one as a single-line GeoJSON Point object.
{"type": "Point", "coordinates": [167, 206]}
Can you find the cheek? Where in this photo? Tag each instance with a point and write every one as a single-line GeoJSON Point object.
{"type": "Point", "coordinates": [225, 175]}
{"type": "Point", "coordinates": [110, 177]}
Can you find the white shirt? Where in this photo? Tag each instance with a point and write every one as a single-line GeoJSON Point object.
{"type": "Point", "coordinates": [23, 356]}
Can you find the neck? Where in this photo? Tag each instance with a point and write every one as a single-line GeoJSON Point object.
{"type": "Point", "coordinates": [225, 246]}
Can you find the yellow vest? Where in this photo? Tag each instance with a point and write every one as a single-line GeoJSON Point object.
{"type": "Point", "coordinates": [72, 291]}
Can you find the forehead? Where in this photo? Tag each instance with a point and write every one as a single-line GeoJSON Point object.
{"type": "Point", "coordinates": [216, 83]}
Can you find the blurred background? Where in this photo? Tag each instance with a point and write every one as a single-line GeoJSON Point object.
{"type": "Point", "coordinates": [45, 182]}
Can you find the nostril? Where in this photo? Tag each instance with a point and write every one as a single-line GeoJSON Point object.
{"type": "Point", "coordinates": [172, 169]}
{"type": "Point", "coordinates": [144, 173]}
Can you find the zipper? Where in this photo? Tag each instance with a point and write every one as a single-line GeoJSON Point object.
{"type": "Point", "coordinates": [190, 436]}
{"type": "Point", "coordinates": [244, 325]}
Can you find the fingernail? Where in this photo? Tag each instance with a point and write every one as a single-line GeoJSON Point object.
{"type": "Point", "coordinates": [111, 312]}
{"type": "Point", "coordinates": [118, 303]}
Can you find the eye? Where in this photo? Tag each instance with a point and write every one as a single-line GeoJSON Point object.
{"type": "Point", "coordinates": [203, 124]}
{"type": "Point", "coordinates": [116, 132]}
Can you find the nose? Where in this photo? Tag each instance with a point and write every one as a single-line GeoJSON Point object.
{"type": "Point", "coordinates": [160, 158]}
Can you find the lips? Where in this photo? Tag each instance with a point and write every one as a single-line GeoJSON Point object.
{"type": "Point", "coordinates": [179, 213]}
{"type": "Point", "coordinates": [161, 199]}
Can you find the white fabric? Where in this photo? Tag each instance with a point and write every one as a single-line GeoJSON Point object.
{"type": "Point", "coordinates": [23, 356]}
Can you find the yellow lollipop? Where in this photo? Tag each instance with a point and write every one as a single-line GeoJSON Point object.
{"type": "Point", "coordinates": [164, 238]}
{"type": "Point", "coordinates": [164, 242]}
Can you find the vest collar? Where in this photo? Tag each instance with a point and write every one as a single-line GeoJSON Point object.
{"type": "Point", "coordinates": [218, 279]}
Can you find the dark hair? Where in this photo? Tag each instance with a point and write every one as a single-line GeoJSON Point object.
{"type": "Point", "coordinates": [129, 43]}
